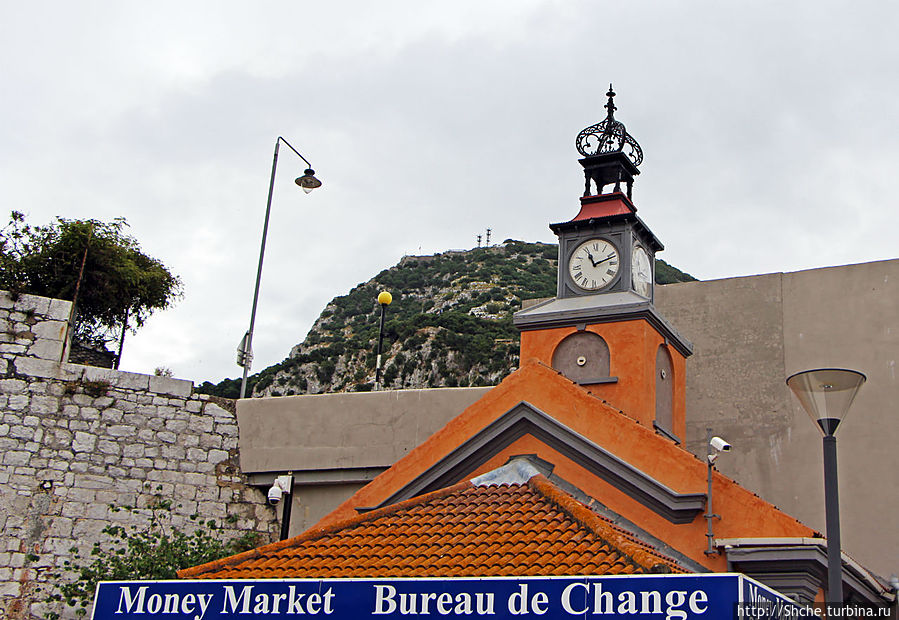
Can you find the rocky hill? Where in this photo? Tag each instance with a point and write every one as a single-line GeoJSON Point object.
{"type": "Point", "coordinates": [450, 324]}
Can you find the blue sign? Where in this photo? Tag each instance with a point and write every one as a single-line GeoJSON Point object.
{"type": "Point", "coordinates": [662, 597]}
{"type": "Point", "coordinates": [759, 602]}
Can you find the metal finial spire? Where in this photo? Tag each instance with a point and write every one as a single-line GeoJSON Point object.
{"type": "Point", "coordinates": [610, 106]}
{"type": "Point", "coordinates": [609, 136]}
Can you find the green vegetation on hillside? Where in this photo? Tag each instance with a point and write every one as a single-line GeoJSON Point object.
{"type": "Point", "coordinates": [450, 324]}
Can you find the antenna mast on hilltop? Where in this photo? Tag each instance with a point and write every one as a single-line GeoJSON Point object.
{"type": "Point", "coordinates": [488, 238]}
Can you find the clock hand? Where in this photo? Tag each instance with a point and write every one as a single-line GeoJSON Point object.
{"type": "Point", "coordinates": [603, 260]}
{"type": "Point", "coordinates": [590, 256]}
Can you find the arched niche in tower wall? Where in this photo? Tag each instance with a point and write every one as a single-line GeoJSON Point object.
{"type": "Point", "coordinates": [664, 419]}
{"type": "Point", "coordinates": [583, 357]}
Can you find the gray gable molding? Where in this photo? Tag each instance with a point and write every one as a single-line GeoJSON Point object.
{"type": "Point", "coordinates": [800, 570]}
{"type": "Point", "coordinates": [525, 419]}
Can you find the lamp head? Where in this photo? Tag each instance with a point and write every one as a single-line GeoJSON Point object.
{"type": "Point", "coordinates": [308, 182]}
{"type": "Point", "coordinates": [826, 394]}
{"type": "Point", "coordinates": [385, 298]}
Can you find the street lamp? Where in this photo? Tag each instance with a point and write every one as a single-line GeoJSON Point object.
{"type": "Point", "coordinates": [826, 395]}
{"type": "Point", "coordinates": [307, 183]}
{"type": "Point", "coordinates": [384, 299]}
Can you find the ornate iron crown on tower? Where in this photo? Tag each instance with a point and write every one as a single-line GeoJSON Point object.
{"type": "Point", "coordinates": [611, 154]}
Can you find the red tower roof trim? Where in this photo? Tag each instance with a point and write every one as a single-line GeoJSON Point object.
{"type": "Point", "coordinates": [604, 205]}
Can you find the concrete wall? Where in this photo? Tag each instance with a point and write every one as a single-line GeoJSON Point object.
{"type": "Point", "coordinates": [751, 333]}
{"type": "Point", "coordinates": [76, 441]}
{"type": "Point", "coordinates": [336, 443]}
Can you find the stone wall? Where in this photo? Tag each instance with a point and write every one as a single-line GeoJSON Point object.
{"type": "Point", "coordinates": [76, 442]}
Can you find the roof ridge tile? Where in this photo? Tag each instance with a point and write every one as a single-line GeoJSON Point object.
{"type": "Point", "coordinates": [642, 558]}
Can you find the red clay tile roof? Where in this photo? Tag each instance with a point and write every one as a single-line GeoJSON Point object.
{"type": "Point", "coordinates": [461, 531]}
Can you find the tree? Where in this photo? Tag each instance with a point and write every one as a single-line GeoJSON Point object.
{"type": "Point", "coordinates": [116, 284]}
{"type": "Point", "coordinates": [154, 550]}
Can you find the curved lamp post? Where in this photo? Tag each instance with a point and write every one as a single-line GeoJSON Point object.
{"type": "Point", "coordinates": [307, 183]}
{"type": "Point", "coordinates": [826, 395]}
{"type": "Point", "coordinates": [384, 300]}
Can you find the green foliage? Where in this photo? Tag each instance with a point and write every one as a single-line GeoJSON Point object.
{"type": "Point", "coordinates": [666, 274]}
{"type": "Point", "coordinates": [154, 551]}
{"type": "Point", "coordinates": [226, 388]}
{"type": "Point", "coordinates": [120, 283]}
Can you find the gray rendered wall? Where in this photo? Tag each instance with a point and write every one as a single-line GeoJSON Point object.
{"type": "Point", "coordinates": [751, 333]}
{"type": "Point", "coordinates": [336, 443]}
{"type": "Point", "coordinates": [76, 440]}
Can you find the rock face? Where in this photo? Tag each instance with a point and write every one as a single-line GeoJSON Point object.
{"type": "Point", "coordinates": [450, 324]}
{"type": "Point", "coordinates": [79, 442]}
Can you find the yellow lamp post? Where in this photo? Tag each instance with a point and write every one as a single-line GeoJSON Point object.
{"type": "Point", "coordinates": [384, 300]}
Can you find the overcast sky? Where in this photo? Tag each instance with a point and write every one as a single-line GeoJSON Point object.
{"type": "Point", "coordinates": [769, 131]}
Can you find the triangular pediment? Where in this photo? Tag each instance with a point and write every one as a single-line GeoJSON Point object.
{"type": "Point", "coordinates": [525, 419]}
{"type": "Point", "coordinates": [593, 450]}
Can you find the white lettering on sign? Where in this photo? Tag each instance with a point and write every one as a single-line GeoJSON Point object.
{"type": "Point", "coordinates": [697, 597]}
{"type": "Point", "coordinates": [388, 601]}
{"type": "Point", "coordinates": [520, 604]}
{"type": "Point", "coordinates": [649, 602]}
{"type": "Point", "coordinates": [155, 603]}
{"type": "Point", "coordinates": [587, 598]}
{"type": "Point", "coordinates": [270, 603]}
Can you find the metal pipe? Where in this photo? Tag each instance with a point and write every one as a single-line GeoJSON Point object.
{"type": "Point", "coordinates": [709, 513]}
{"type": "Point", "coordinates": [378, 359]}
{"type": "Point", "coordinates": [832, 512]}
{"type": "Point", "coordinates": [285, 515]}
{"type": "Point", "coordinates": [268, 210]}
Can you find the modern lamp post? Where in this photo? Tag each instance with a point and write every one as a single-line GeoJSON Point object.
{"type": "Point", "coordinates": [307, 183]}
{"type": "Point", "coordinates": [826, 395]}
{"type": "Point", "coordinates": [384, 299]}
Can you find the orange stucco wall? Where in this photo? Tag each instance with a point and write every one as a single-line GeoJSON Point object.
{"type": "Point", "coordinates": [743, 513]}
{"type": "Point", "coordinates": [632, 358]}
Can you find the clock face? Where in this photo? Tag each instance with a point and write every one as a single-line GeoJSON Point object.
{"type": "Point", "coordinates": [594, 264]}
{"type": "Point", "coordinates": [641, 270]}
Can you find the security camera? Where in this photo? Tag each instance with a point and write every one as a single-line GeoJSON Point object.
{"type": "Point", "coordinates": [281, 486]}
{"type": "Point", "coordinates": [720, 445]}
{"type": "Point", "coordinates": [274, 495]}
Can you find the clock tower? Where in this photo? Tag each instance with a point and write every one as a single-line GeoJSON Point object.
{"type": "Point", "coordinates": [602, 329]}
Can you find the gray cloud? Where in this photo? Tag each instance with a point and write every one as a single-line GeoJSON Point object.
{"type": "Point", "coordinates": [769, 131]}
